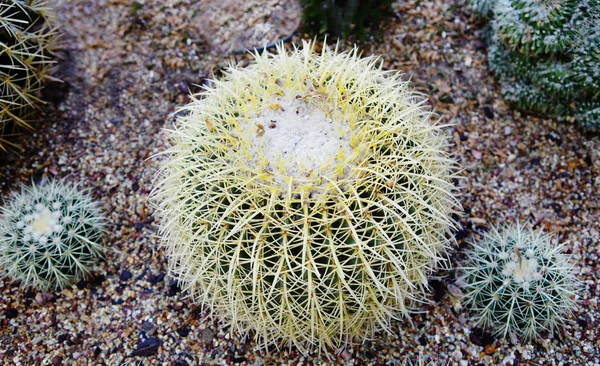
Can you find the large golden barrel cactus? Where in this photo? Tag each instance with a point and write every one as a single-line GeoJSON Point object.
{"type": "Point", "coordinates": [306, 198]}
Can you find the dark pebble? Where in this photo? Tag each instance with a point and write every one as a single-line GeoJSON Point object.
{"type": "Point", "coordinates": [81, 284]}
{"type": "Point", "coordinates": [517, 357]}
{"type": "Point", "coordinates": [158, 278]}
{"type": "Point", "coordinates": [147, 347]}
{"type": "Point", "coordinates": [438, 290]}
{"type": "Point", "coordinates": [61, 338]}
{"type": "Point", "coordinates": [11, 313]}
{"type": "Point", "coordinates": [173, 288]}
{"type": "Point", "coordinates": [138, 226]}
{"type": "Point", "coordinates": [30, 294]}
{"type": "Point", "coordinates": [481, 338]}
{"type": "Point", "coordinates": [237, 359]}
{"type": "Point", "coordinates": [582, 322]}
{"type": "Point", "coordinates": [125, 275]}
{"type": "Point", "coordinates": [183, 331]}
{"type": "Point", "coordinates": [135, 186]}
{"type": "Point", "coordinates": [535, 161]}
{"type": "Point", "coordinates": [146, 293]}
{"type": "Point", "coordinates": [422, 340]}
{"type": "Point", "coordinates": [463, 137]}
{"type": "Point", "coordinates": [488, 111]}
{"type": "Point", "coordinates": [97, 280]}
{"type": "Point", "coordinates": [56, 360]}
{"type": "Point", "coordinates": [117, 301]}
{"type": "Point", "coordinates": [97, 352]}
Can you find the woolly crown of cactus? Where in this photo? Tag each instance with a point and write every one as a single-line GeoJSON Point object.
{"type": "Point", "coordinates": [518, 282]}
{"type": "Point", "coordinates": [306, 198]}
{"type": "Point", "coordinates": [50, 235]}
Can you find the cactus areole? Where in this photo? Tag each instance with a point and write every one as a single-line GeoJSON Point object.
{"type": "Point", "coordinates": [306, 198]}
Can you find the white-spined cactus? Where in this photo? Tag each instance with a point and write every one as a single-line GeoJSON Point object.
{"type": "Point", "coordinates": [518, 282]}
{"type": "Point", "coordinates": [50, 235]}
{"type": "Point", "coordinates": [306, 197]}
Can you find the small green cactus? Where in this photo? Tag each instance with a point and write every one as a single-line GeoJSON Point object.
{"type": "Point", "coordinates": [50, 235]}
{"type": "Point", "coordinates": [307, 198]}
{"type": "Point", "coordinates": [546, 54]}
{"type": "Point", "coordinates": [27, 41]}
{"type": "Point", "coordinates": [518, 282]}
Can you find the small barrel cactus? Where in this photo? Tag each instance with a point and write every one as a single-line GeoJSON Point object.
{"type": "Point", "coordinates": [50, 235]}
{"type": "Point", "coordinates": [546, 54]}
{"type": "Point", "coordinates": [27, 40]}
{"type": "Point", "coordinates": [306, 197]}
{"type": "Point", "coordinates": [518, 282]}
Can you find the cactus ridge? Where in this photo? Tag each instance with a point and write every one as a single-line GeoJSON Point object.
{"type": "Point", "coordinates": [50, 235]}
{"type": "Point", "coordinates": [320, 254]}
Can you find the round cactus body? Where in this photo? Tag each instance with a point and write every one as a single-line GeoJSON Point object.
{"type": "Point", "coordinates": [306, 197]}
{"type": "Point", "coordinates": [50, 235]}
{"type": "Point", "coordinates": [518, 282]}
{"type": "Point", "coordinates": [27, 40]}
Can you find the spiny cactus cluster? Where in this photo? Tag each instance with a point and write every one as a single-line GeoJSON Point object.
{"type": "Point", "coordinates": [306, 198]}
{"type": "Point", "coordinates": [27, 40]}
{"type": "Point", "coordinates": [546, 54]}
{"type": "Point", "coordinates": [519, 283]}
{"type": "Point", "coordinates": [50, 235]}
{"type": "Point", "coordinates": [342, 18]}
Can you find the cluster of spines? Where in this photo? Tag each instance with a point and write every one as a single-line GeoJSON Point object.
{"type": "Point", "coordinates": [50, 235]}
{"type": "Point", "coordinates": [27, 41]}
{"type": "Point", "coordinates": [518, 282]}
{"type": "Point", "coordinates": [547, 55]}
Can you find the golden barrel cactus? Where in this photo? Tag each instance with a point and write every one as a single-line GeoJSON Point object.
{"type": "Point", "coordinates": [28, 39]}
{"type": "Point", "coordinates": [306, 198]}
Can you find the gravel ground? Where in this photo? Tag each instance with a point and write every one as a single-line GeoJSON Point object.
{"type": "Point", "coordinates": [127, 65]}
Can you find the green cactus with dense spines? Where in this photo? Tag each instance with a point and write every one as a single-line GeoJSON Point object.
{"type": "Point", "coordinates": [518, 282]}
{"type": "Point", "coordinates": [306, 198]}
{"type": "Point", "coordinates": [546, 54]}
{"type": "Point", "coordinates": [27, 41]}
{"type": "Point", "coordinates": [50, 235]}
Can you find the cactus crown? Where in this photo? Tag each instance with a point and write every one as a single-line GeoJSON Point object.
{"type": "Point", "coordinates": [518, 282]}
{"type": "Point", "coordinates": [306, 197]}
{"type": "Point", "coordinates": [50, 235]}
{"type": "Point", "coordinates": [27, 40]}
